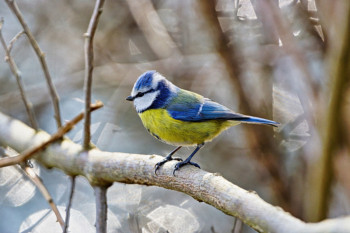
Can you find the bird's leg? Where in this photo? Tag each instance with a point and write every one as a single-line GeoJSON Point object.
{"type": "Point", "coordinates": [188, 160]}
{"type": "Point", "coordinates": [166, 159]}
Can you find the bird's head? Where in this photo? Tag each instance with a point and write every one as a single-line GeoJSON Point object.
{"type": "Point", "coordinates": [151, 90]}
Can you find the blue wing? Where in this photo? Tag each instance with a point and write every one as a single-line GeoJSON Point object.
{"type": "Point", "coordinates": [196, 108]}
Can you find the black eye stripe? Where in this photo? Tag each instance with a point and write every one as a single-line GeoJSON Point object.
{"type": "Point", "coordinates": [140, 94]}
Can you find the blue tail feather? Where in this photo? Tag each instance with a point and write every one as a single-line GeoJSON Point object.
{"type": "Point", "coordinates": [257, 120]}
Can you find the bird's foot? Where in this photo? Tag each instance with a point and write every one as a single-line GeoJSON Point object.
{"type": "Point", "coordinates": [183, 163]}
{"type": "Point", "coordinates": [165, 160]}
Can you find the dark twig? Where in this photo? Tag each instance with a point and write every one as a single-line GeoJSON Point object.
{"type": "Point", "coordinates": [58, 135]}
{"type": "Point", "coordinates": [14, 69]}
{"type": "Point", "coordinates": [101, 208]}
{"type": "Point", "coordinates": [89, 67]}
{"type": "Point", "coordinates": [53, 93]}
{"type": "Point", "coordinates": [71, 192]}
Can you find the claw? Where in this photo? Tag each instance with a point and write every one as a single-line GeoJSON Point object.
{"type": "Point", "coordinates": [165, 160]}
{"type": "Point", "coordinates": [181, 164]}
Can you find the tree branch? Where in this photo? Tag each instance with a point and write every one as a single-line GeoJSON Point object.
{"type": "Point", "coordinates": [70, 200]}
{"type": "Point", "coordinates": [30, 173]}
{"type": "Point", "coordinates": [58, 135]}
{"type": "Point", "coordinates": [101, 168]}
{"type": "Point", "coordinates": [101, 208]}
{"type": "Point", "coordinates": [100, 192]}
{"type": "Point", "coordinates": [41, 55]}
{"type": "Point", "coordinates": [89, 67]}
{"type": "Point", "coordinates": [14, 69]}
{"type": "Point", "coordinates": [36, 180]}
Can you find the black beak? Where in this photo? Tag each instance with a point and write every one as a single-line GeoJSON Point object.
{"type": "Point", "coordinates": [130, 98]}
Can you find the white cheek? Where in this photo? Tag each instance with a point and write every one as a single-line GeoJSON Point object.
{"type": "Point", "coordinates": [144, 102]}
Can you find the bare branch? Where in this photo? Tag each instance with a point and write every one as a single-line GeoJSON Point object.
{"type": "Point", "coordinates": [53, 93]}
{"type": "Point", "coordinates": [72, 187]}
{"type": "Point", "coordinates": [101, 208]}
{"type": "Point", "coordinates": [14, 69]}
{"type": "Point", "coordinates": [58, 135]}
{"type": "Point", "coordinates": [101, 167]}
{"type": "Point", "coordinates": [30, 173]}
{"type": "Point", "coordinates": [89, 67]}
{"type": "Point", "coordinates": [36, 180]}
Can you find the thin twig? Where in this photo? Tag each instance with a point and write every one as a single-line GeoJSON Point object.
{"type": "Point", "coordinates": [100, 191]}
{"type": "Point", "coordinates": [89, 67]}
{"type": "Point", "coordinates": [53, 93]}
{"type": "Point", "coordinates": [14, 69]}
{"type": "Point", "coordinates": [36, 180]}
{"type": "Point", "coordinates": [58, 135]}
{"type": "Point", "coordinates": [71, 192]}
{"type": "Point", "coordinates": [14, 39]}
{"type": "Point", "coordinates": [30, 173]}
{"type": "Point", "coordinates": [101, 208]}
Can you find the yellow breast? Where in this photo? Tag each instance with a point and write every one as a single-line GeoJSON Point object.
{"type": "Point", "coordinates": [181, 133]}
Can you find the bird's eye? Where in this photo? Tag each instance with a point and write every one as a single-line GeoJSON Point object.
{"type": "Point", "coordinates": [140, 94]}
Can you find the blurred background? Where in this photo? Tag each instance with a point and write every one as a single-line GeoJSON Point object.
{"type": "Point", "coordinates": [283, 60]}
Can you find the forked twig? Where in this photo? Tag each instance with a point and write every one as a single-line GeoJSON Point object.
{"type": "Point", "coordinates": [14, 39]}
{"type": "Point", "coordinates": [14, 69]}
{"type": "Point", "coordinates": [53, 93]}
{"type": "Point", "coordinates": [58, 135]}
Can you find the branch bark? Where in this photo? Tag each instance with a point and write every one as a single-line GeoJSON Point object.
{"type": "Point", "coordinates": [56, 136]}
{"type": "Point", "coordinates": [101, 208]}
{"type": "Point", "coordinates": [101, 168]}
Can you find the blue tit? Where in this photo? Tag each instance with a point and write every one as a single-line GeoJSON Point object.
{"type": "Point", "coordinates": [182, 118]}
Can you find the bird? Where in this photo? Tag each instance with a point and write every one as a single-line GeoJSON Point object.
{"type": "Point", "coordinates": [180, 117]}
